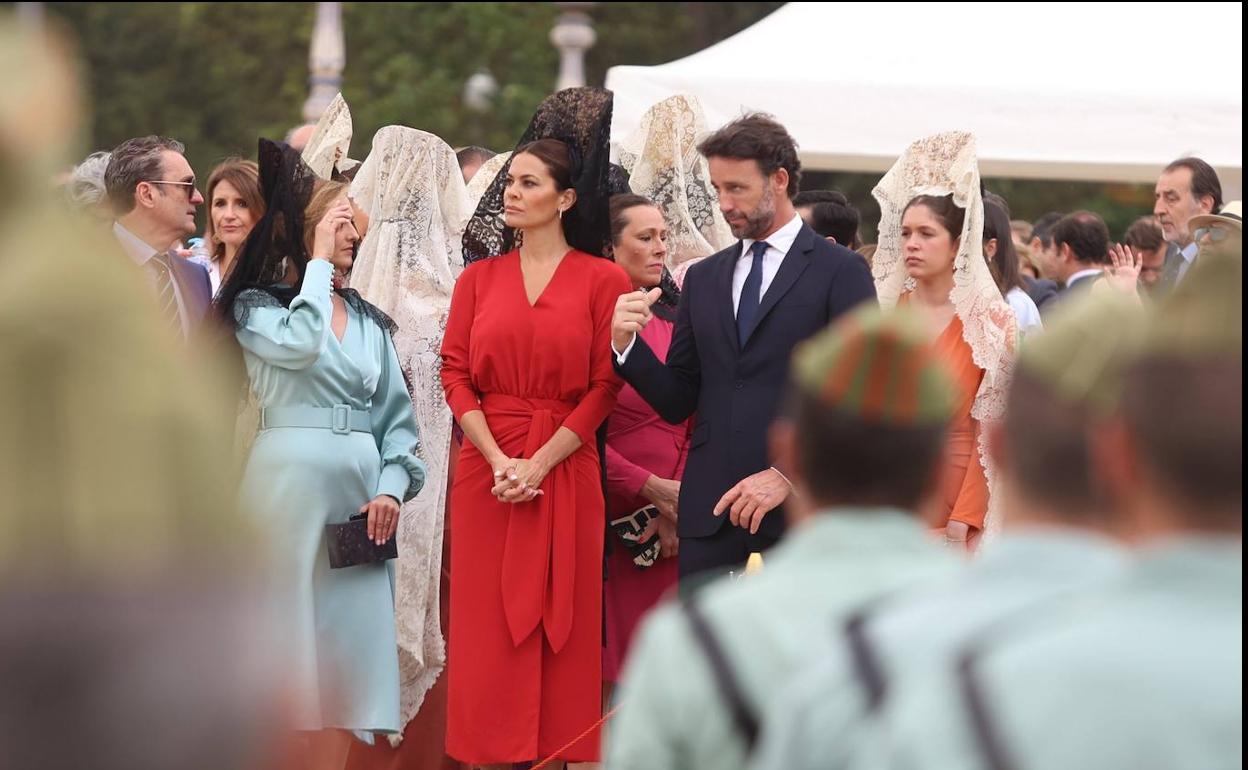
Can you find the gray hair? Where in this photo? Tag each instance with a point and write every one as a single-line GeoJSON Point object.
{"type": "Point", "coordinates": [133, 161]}
{"type": "Point", "coordinates": [85, 189]}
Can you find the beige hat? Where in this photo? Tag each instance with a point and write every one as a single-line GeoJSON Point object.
{"type": "Point", "coordinates": [1231, 213]}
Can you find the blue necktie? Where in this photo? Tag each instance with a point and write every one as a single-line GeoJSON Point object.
{"type": "Point", "coordinates": [751, 294]}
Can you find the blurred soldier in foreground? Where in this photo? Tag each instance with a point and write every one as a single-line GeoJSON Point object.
{"type": "Point", "coordinates": [131, 637]}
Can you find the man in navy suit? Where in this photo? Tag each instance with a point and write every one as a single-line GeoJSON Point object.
{"type": "Point", "coordinates": [152, 191]}
{"type": "Point", "coordinates": [741, 313]}
{"type": "Point", "coordinates": [1081, 243]}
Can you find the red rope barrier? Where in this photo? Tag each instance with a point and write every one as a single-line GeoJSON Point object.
{"type": "Point", "coordinates": [545, 762]}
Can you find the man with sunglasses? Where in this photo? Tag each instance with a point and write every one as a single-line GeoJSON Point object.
{"type": "Point", "coordinates": [1221, 233]}
{"type": "Point", "coordinates": [152, 191]}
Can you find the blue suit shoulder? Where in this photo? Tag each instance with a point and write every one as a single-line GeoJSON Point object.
{"type": "Point", "coordinates": [837, 258]}
{"type": "Point", "coordinates": [195, 272]}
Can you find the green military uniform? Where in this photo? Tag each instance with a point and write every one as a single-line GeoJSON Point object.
{"type": "Point", "coordinates": [678, 707]}
{"type": "Point", "coordinates": [128, 575]}
{"type": "Point", "coordinates": [1149, 678]}
{"type": "Point", "coordinates": [822, 719]}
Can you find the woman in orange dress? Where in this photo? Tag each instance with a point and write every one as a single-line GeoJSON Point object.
{"type": "Point", "coordinates": [931, 259]}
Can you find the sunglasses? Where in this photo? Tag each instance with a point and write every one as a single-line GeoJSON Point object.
{"type": "Point", "coordinates": [1216, 234]}
{"type": "Point", "coordinates": [190, 186]}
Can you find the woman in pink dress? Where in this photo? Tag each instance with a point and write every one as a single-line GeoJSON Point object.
{"type": "Point", "coordinates": [645, 455]}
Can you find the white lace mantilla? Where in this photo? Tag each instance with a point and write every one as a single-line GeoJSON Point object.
{"type": "Point", "coordinates": [330, 142]}
{"type": "Point", "coordinates": [411, 188]}
{"type": "Point", "coordinates": [484, 177]}
{"type": "Point", "coordinates": [663, 162]}
{"type": "Point", "coordinates": [945, 164]}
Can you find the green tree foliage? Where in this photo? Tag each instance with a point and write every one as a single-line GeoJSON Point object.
{"type": "Point", "coordinates": [219, 75]}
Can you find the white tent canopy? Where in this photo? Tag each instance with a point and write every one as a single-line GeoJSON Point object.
{"type": "Point", "coordinates": [1089, 91]}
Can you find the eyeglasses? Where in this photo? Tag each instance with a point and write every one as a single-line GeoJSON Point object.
{"type": "Point", "coordinates": [1216, 234]}
{"type": "Point", "coordinates": [190, 186]}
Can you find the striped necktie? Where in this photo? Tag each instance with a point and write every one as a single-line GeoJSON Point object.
{"type": "Point", "coordinates": [166, 293]}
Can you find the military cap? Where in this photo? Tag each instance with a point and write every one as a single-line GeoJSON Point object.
{"type": "Point", "coordinates": [877, 365]}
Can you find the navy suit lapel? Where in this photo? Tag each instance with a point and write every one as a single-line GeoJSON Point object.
{"type": "Point", "coordinates": [794, 264]}
{"type": "Point", "coordinates": [196, 290]}
{"type": "Point", "coordinates": [722, 292]}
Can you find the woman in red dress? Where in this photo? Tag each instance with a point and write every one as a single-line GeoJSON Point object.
{"type": "Point", "coordinates": [645, 455]}
{"type": "Point", "coordinates": [528, 374]}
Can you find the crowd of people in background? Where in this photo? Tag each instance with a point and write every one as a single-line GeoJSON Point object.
{"type": "Point", "coordinates": [992, 466]}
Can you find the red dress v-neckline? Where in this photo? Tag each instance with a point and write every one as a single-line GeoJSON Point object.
{"type": "Point", "coordinates": [524, 289]}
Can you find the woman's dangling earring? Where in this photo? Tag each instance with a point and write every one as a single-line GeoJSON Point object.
{"type": "Point", "coordinates": [560, 215]}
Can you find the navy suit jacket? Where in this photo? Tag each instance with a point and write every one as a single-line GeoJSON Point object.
{"type": "Point", "coordinates": [736, 390]}
{"type": "Point", "coordinates": [1041, 290]}
{"type": "Point", "coordinates": [1079, 286]}
{"type": "Point", "coordinates": [1169, 270]}
{"type": "Point", "coordinates": [196, 289]}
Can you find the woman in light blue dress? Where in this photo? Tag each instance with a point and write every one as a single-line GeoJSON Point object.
{"type": "Point", "coordinates": [336, 438]}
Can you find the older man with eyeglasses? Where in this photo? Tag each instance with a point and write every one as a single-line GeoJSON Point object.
{"type": "Point", "coordinates": [152, 191]}
{"type": "Point", "coordinates": [1222, 232]}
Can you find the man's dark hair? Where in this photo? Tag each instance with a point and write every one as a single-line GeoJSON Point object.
{"type": "Point", "coordinates": [1043, 228]}
{"type": "Point", "coordinates": [1192, 443]}
{"type": "Point", "coordinates": [838, 220]}
{"type": "Point", "coordinates": [473, 154]}
{"type": "Point", "coordinates": [1087, 236]}
{"type": "Point", "coordinates": [760, 138]}
{"type": "Point", "coordinates": [1046, 441]}
{"type": "Point", "coordinates": [133, 161]}
{"type": "Point", "coordinates": [1145, 233]}
{"type": "Point", "coordinates": [846, 460]}
{"type": "Point", "coordinates": [1204, 179]}
{"type": "Point", "coordinates": [811, 197]}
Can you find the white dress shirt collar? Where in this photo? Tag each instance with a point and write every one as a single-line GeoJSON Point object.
{"type": "Point", "coordinates": [781, 240]}
{"type": "Point", "coordinates": [1079, 276]}
{"type": "Point", "coordinates": [138, 249]}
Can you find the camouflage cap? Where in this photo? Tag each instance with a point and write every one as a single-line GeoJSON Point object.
{"type": "Point", "coordinates": [1086, 345]}
{"type": "Point", "coordinates": [877, 365]}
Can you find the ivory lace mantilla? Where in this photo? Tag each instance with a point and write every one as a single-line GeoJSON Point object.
{"type": "Point", "coordinates": [945, 164]}
{"type": "Point", "coordinates": [411, 188]}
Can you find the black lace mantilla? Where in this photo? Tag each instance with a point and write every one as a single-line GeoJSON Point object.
{"type": "Point", "coordinates": [581, 119]}
{"type": "Point", "coordinates": [259, 275]}
{"type": "Point", "coordinates": [282, 296]}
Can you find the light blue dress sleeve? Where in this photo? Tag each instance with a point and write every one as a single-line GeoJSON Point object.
{"type": "Point", "coordinates": [293, 338]}
{"type": "Point", "coordinates": [394, 427]}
